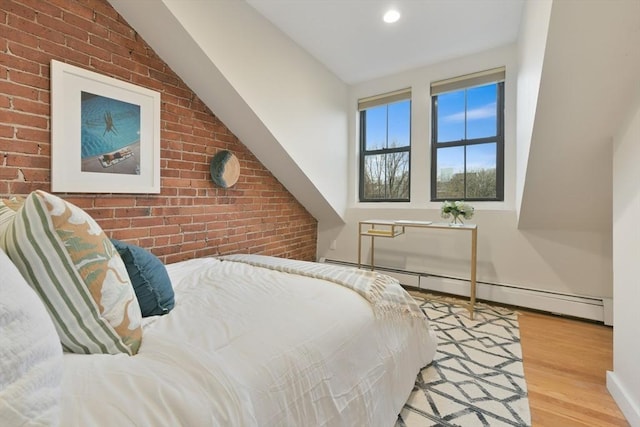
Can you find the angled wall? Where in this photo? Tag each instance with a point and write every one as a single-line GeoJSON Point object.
{"type": "Point", "coordinates": [590, 61]}
{"type": "Point", "coordinates": [532, 42]}
{"type": "Point", "coordinates": [283, 104]}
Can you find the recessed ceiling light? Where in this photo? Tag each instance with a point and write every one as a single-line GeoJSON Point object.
{"type": "Point", "coordinates": [391, 16]}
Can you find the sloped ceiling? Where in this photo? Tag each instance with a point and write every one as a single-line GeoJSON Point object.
{"type": "Point", "coordinates": [213, 46]}
{"type": "Point", "coordinates": [283, 105]}
{"type": "Point", "coordinates": [590, 79]}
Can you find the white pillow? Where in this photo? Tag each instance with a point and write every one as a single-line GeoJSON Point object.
{"type": "Point", "coordinates": [30, 354]}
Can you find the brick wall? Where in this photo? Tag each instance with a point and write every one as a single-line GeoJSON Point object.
{"type": "Point", "coordinates": [191, 217]}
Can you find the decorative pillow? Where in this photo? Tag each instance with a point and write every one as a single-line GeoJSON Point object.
{"type": "Point", "coordinates": [6, 217]}
{"type": "Point", "coordinates": [149, 277]}
{"type": "Point", "coordinates": [14, 202]}
{"type": "Point", "coordinates": [68, 260]}
{"type": "Point", "coordinates": [30, 354]}
{"type": "Point", "coordinates": [8, 208]}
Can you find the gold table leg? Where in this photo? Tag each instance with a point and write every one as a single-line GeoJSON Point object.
{"type": "Point", "coordinates": [359, 244]}
{"type": "Point", "coordinates": [474, 252]}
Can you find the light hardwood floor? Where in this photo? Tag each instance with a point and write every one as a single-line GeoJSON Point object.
{"type": "Point", "coordinates": [565, 365]}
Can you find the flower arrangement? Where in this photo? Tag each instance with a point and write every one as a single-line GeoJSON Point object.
{"type": "Point", "coordinates": [457, 210]}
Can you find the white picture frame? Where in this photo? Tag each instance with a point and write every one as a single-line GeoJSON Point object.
{"type": "Point", "coordinates": [105, 134]}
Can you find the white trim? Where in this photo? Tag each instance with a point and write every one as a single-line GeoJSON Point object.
{"type": "Point", "coordinates": [619, 393]}
{"type": "Point", "coordinates": [570, 305]}
{"type": "Point", "coordinates": [591, 308]}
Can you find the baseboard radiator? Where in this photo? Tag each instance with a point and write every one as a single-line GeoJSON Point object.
{"type": "Point", "coordinates": [591, 308]}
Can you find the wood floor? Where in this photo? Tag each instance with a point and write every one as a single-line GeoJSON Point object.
{"type": "Point", "coordinates": [565, 365]}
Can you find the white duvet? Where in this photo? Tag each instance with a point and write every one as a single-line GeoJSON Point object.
{"type": "Point", "coordinates": [247, 346]}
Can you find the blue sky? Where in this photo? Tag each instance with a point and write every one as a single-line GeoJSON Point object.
{"type": "Point", "coordinates": [399, 115]}
{"type": "Point", "coordinates": [480, 122]}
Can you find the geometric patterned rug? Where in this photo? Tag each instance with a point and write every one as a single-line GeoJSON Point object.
{"type": "Point", "coordinates": [476, 377]}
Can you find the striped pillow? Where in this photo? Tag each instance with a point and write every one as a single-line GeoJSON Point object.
{"type": "Point", "coordinates": [66, 257]}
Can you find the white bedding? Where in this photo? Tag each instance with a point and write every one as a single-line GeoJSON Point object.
{"type": "Point", "coordinates": [247, 346]}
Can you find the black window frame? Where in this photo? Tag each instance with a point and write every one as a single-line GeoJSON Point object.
{"type": "Point", "coordinates": [364, 153]}
{"type": "Point", "coordinates": [498, 139]}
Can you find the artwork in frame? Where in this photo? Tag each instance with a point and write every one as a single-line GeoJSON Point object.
{"type": "Point", "coordinates": [105, 133]}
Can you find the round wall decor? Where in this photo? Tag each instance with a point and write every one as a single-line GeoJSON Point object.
{"type": "Point", "coordinates": [225, 169]}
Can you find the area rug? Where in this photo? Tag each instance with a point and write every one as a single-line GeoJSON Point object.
{"type": "Point", "coordinates": [476, 377]}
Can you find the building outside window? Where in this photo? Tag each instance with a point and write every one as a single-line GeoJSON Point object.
{"type": "Point", "coordinates": [385, 144]}
{"type": "Point", "coordinates": [467, 137]}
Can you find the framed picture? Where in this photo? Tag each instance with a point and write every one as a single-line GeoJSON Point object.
{"type": "Point", "coordinates": [105, 133]}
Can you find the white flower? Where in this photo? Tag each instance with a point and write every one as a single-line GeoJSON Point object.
{"type": "Point", "coordinates": [456, 209]}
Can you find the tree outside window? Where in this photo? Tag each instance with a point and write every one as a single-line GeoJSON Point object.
{"type": "Point", "coordinates": [385, 142]}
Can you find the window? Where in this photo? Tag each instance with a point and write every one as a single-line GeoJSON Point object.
{"type": "Point", "coordinates": [385, 143]}
{"type": "Point", "coordinates": [467, 138]}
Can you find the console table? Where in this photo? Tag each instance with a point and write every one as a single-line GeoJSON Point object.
{"type": "Point", "coordinates": [374, 228]}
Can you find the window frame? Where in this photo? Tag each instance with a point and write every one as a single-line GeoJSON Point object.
{"type": "Point", "coordinates": [498, 139]}
{"type": "Point", "coordinates": [363, 105]}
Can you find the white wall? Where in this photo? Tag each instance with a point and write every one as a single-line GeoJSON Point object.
{"type": "Point", "coordinates": [532, 42]}
{"type": "Point", "coordinates": [299, 100]}
{"type": "Point", "coordinates": [624, 381]}
{"type": "Point", "coordinates": [591, 59]}
{"type": "Point", "coordinates": [309, 143]}
{"type": "Point", "coordinates": [571, 262]}
{"type": "Point", "coordinates": [283, 104]}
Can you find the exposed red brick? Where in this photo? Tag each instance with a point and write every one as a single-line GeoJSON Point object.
{"type": "Point", "coordinates": [57, 30]}
{"type": "Point", "coordinates": [19, 9]}
{"type": "Point", "coordinates": [37, 175]}
{"type": "Point", "coordinates": [28, 161]}
{"type": "Point", "coordinates": [15, 63]}
{"type": "Point", "coordinates": [92, 50]}
{"type": "Point", "coordinates": [191, 217]}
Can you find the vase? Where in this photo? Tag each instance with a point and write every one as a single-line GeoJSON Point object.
{"type": "Point", "coordinates": [457, 221]}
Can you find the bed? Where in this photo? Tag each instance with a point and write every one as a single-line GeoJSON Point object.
{"type": "Point", "coordinates": [250, 341]}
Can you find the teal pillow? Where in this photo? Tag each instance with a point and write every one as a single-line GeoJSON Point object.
{"type": "Point", "coordinates": [149, 277]}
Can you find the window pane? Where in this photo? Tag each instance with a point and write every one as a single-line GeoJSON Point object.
{"type": "Point", "coordinates": [451, 116]}
{"type": "Point", "coordinates": [399, 124]}
{"type": "Point", "coordinates": [376, 127]}
{"type": "Point", "coordinates": [397, 165]}
{"type": "Point", "coordinates": [374, 177]}
{"type": "Point", "coordinates": [481, 111]}
{"type": "Point", "coordinates": [450, 173]}
{"type": "Point", "coordinates": [481, 171]}
{"type": "Point", "coordinates": [386, 176]}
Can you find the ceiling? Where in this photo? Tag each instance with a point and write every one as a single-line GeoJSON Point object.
{"type": "Point", "coordinates": [350, 38]}
{"type": "Point", "coordinates": [577, 107]}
